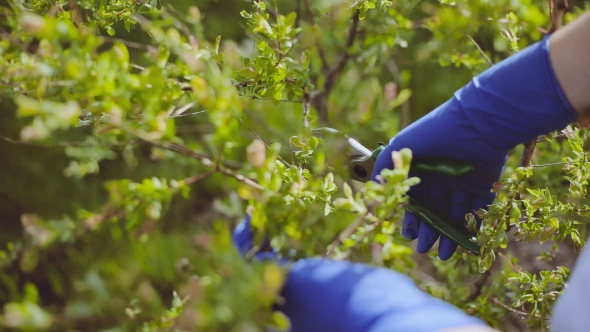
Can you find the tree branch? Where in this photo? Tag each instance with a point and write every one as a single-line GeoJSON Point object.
{"type": "Point", "coordinates": [306, 111]}
{"type": "Point", "coordinates": [345, 234]}
{"type": "Point", "coordinates": [557, 10]}
{"type": "Point", "coordinates": [319, 99]}
{"type": "Point", "coordinates": [479, 284]}
{"type": "Point", "coordinates": [321, 52]}
{"type": "Point", "coordinates": [205, 161]}
{"type": "Point", "coordinates": [503, 305]}
{"type": "Point", "coordinates": [199, 177]}
{"type": "Point", "coordinates": [480, 50]}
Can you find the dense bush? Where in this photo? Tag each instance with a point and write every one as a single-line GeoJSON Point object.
{"type": "Point", "coordinates": [135, 134]}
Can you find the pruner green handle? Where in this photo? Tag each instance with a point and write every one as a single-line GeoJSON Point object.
{"type": "Point", "coordinates": [362, 164]}
{"type": "Point", "coordinates": [451, 168]}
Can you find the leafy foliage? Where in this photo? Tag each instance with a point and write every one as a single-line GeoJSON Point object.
{"type": "Point", "coordinates": [133, 103]}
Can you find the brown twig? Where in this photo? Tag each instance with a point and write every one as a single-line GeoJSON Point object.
{"type": "Point", "coordinates": [507, 261]}
{"type": "Point", "coordinates": [480, 50]}
{"type": "Point", "coordinates": [557, 10]}
{"type": "Point", "coordinates": [345, 234]}
{"type": "Point", "coordinates": [298, 13]}
{"type": "Point", "coordinates": [418, 4]}
{"type": "Point", "coordinates": [321, 52]}
{"type": "Point", "coordinates": [479, 284]}
{"type": "Point", "coordinates": [180, 26]}
{"type": "Point", "coordinates": [359, 240]}
{"type": "Point", "coordinates": [503, 305]}
{"type": "Point", "coordinates": [127, 43]}
{"type": "Point", "coordinates": [199, 177]}
{"type": "Point", "coordinates": [281, 55]}
{"type": "Point", "coordinates": [306, 111]}
{"type": "Point", "coordinates": [551, 164]}
{"type": "Point", "coordinates": [319, 99]}
{"type": "Point", "coordinates": [266, 142]}
{"type": "Point", "coordinates": [205, 161]}
{"type": "Point", "coordinates": [76, 14]}
{"type": "Point", "coordinates": [543, 139]}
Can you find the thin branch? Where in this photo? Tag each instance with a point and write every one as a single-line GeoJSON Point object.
{"type": "Point", "coordinates": [345, 234]}
{"type": "Point", "coordinates": [199, 177]}
{"type": "Point", "coordinates": [137, 66]}
{"type": "Point", "coordinates": [346, 255]}
{"type": "Point", "coordinates": [281, 100]}
{"type": "Point", "coordinates": [187, 114]}
{"type": "Point", "coordinates": [176, 147]}
{"type": "Point", "coordinates": [180, 26]}
{"type": "Point", "coordinates": [321, 52]}
{"type": "Point", "coordinates": [503, 305]}
{"type": "Point", "coordinates": [76, 14]}
{"type": "Point", "coordinates": [319, 99]}
{"type": "Point", "coordinates": [178, 111]}
{"type": "Point", "coordinates": [281, 55]}
{"type": "Point", "coordinates": [480, 50]}
{"type": "Point", "coordinates": [266, 142]}
{"type": "Point", "coordinates": [557, 9]}
{"type": "Point", "coordinates": [543, 139]}
{"type": "Point", "coordinates": [335, 72]}
{"type": "Point", "coordinates": [418, 4]}
{"type": "Point", "coordinates": [219, 156]}
{"type": "Point", "coordinates": [507, 261]}
{"type": "Point", "coordinates": [127, 43]}
{"type": "Point", "coordinates": [298, 13]}
{"type": "Point", "coordinates": [551, 164]}
{"type": "Point", "coordinates": [306, 111]}
{"type": "Point", "coordinates": [479, 284]}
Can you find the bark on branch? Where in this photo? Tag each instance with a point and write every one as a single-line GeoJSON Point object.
{"type": "Point", "coordinates": [320, 98]}
{"type": "Point", "coordinates": [557, 10]}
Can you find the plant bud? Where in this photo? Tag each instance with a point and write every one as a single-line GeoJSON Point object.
{"type": "Point", "coordinates": [257, 153]}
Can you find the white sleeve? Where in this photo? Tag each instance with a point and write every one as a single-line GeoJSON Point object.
{"type": "Point", "coordinates": [571, 312]}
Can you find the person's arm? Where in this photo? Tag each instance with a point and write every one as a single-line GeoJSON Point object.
{"type": "Point", "coordinates": [338, 296]}
{"type": "Point", "coordinates": [570, 58]}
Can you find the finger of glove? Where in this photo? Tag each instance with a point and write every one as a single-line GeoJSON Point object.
{"type": "Point", "coordinates": [461, 203]}
{"type": "Point", "coordinates": [411, 224]}
{"type": "Point", "coordinates": [242, 236]}
{"type": "Point", "coordinates": [439, 202]}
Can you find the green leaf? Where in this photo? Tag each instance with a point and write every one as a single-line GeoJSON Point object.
{"type": "Point", "coordinates": [110, 31]}
{"type": "Point", "coordinates": [347, 190]}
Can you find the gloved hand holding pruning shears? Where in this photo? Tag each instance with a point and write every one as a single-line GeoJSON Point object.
{"type": "Point", "coordinates": [362, 165]}
{"type": "Point", "coordinates": [511, 103]}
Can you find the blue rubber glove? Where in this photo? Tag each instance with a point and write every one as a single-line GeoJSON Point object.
{"type": "Point", "coordinates": [333, 296]}
{"type": "Point", "coordinates": [243, 240]}
{"type": "Point", "coordinates": [511, 103]}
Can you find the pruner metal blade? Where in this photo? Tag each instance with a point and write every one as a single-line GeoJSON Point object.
{"type": "Point", "coordinates": [362, 160]}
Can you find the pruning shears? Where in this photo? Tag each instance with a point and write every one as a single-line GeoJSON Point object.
{"type": "Point", "coordinates": [362, 162]}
